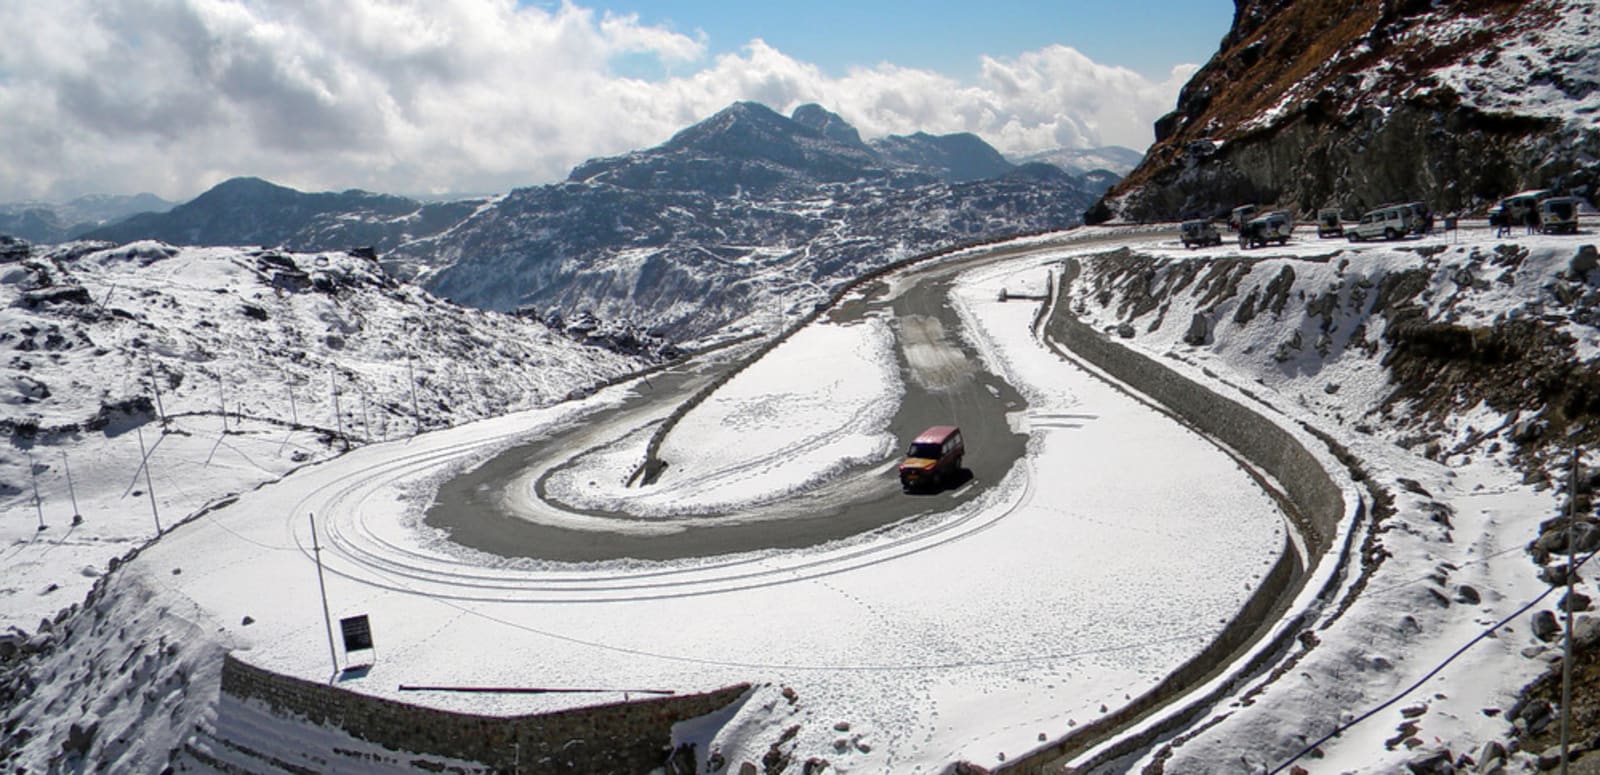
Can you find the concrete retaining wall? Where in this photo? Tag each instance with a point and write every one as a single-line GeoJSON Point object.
{"type": "Point", "coordinates": [1319, 500]}
{"type": "Point", "coordinates": [625, 737]}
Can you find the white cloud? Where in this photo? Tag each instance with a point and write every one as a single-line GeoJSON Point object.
{"type": "Point", "coordinates": [173, 96]}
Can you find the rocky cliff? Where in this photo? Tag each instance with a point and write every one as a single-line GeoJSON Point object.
{"type": "Point", "coordinates": [1316, 103]}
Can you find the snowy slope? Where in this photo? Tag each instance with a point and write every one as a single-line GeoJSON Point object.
{"type": "Point", "coordinates": [1470, 466]}
{"type": "Point", "coordinates": [101, 341]}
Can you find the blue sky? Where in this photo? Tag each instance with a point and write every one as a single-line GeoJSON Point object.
{"type": "Point", "coordinates": [950, 36]}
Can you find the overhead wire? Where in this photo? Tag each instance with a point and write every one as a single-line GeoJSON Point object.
{"type": "Point", "coordinates": [1489, 632]}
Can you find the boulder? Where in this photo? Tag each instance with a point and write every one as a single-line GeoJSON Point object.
{"type": "Point", "coordinates": [1432, 763]}
{"type": "Point", "coordinates": [1199, 331]}
{"type": "Point", "coordinates": [1545, 626]}
{"type": "Point", "coordinates": [1585, 261]}
{"type": "Point", "coordinates": [1491, 757]}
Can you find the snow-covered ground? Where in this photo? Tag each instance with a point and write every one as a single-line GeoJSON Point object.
{"type": "Point", "coordinates": [103, 340]}
{"type": "Point", "coordinates": [1456, 561]}
{"type": "Point", "coordinates": [817, 405]}
{"type": "Point", "coordinates": [1069, 587]}
{"type": "Point", "coordinates": [1058, 616]}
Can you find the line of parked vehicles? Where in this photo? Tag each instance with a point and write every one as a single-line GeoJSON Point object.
{"type": "Point", "coordinates": [1538, 209]}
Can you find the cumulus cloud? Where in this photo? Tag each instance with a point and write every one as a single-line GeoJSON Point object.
{"type": "Point", "coordinates": [173, 96]}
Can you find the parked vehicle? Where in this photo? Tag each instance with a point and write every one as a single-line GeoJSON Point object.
{"type": "Point", "coordinates": [1240, 215]}
{"type": "Point", "coordinates": [933, 460]}
{"type": "Point", "coordinates": [1558, 215]}
{"type": "Point", "coordinates": [1199, 234]}
{"type": "Point", "coordinates": [1419, 217]}
{"type": "Point", "coordinates": [1391, 222]}
{"type": "Point", "coordinates": [1330, 222]}
{"type": "Point", "coordinates": [1272, 227]}
{"type": "Point", "coordinates": [1515, 210]}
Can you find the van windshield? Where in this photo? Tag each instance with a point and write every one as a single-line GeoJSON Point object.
{"type": "Point", "coordinates": [931, 451]}
{"type": "Point", "coordinates": [1559, 209]}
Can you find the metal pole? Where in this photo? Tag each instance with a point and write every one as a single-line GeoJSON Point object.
{"type": "Point", "coordinates": [1566, 643]}
{"type": "Point", "coordinates": [294, 413]}
{"type": "Point", "coordinates": [71, 491]}
{"type": "Point", "coordinates": [160, 410]}
{"type": "Point", "coordinates": [38, 503]}
{"type": "Point", "coordinates": [222, 404]}
{"type": "Point", "coordinates": [327, 618]}
{"type": "Point", "coordinates": [338, 419]}
{"type": "Point", "coordinates": [149, 488]}
{"type": "Point", "coordinates": [366, 422]}
{"type": "Point", "coordinates": [416, 414]}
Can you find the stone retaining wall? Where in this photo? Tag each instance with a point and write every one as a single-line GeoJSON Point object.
{"type": "Point", "coordinates": [624, 737]}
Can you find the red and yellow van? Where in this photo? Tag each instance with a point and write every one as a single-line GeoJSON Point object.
{"type": "Point", "coordinates": [933, 459]}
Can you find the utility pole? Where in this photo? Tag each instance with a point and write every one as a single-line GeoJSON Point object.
{"type": "Point", "coordinates": [1566, 643]}
{"type": "Point", "coordinates": [156, 386]}
{"type": "Point", "coordinates": [416, 414]}
{"type": "Point", "coordinates": [294, 413]}
{"type": "Point", "coordinates": [77, 518]}
{"type": "Point", "coordinates": [338, 419]}
{"type": "Point", "coordinates": [149, 487]}
{"type": "Point", "coordinates": [327, 617]}
{"type": "Point", "coordinates": [222, 403]}
{"type": "Point", "coordinates": [38, 503]}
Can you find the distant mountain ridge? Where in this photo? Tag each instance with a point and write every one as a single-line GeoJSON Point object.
{"type": "Point", "coordinates": [46, 222]}
{"type": "Point", "coordinates": [251, 211]}
{"type": "Point", "coordinates": [729, 222]}
{"type": "Point", "coordinates": [734, 220]}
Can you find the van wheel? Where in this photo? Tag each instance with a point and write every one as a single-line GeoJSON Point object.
{"type": "Point", "coordinates": [1389, 234]}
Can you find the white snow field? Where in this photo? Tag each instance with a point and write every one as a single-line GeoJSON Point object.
{"type": "Point", "coordinates": [1084, 577]}
{"type": "Point", "coordinates": [282, 340]}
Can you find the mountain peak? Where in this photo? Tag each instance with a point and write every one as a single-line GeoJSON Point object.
{"type": "Point", "coordinates": [744, 148]}
{"type": "Point", "coordinates": [827, 123]}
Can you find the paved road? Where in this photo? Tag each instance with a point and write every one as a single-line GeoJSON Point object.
{"type": "Point", "coordinates": [944, 385]}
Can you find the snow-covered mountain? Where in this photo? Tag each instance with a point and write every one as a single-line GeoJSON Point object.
{"type": "Point", "coordinates": [91, 324]}
{"type": "Point", "coordinates": [46, 222]}
{"type": "Point", "coordinates": [1310, 104]}
{"type": "Point", "coordinates": [715, 232]}
{"type": "Point", "coordinates": [731, 222]}
{"type": "Point", "coordinates": [251, 211]}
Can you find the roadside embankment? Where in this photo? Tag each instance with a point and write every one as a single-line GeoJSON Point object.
{"type": "Point", "coordinates": [1319, 498]}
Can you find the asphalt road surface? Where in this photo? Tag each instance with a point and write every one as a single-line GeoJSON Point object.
{"type": "Point", "coordinates": [944, 385]}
